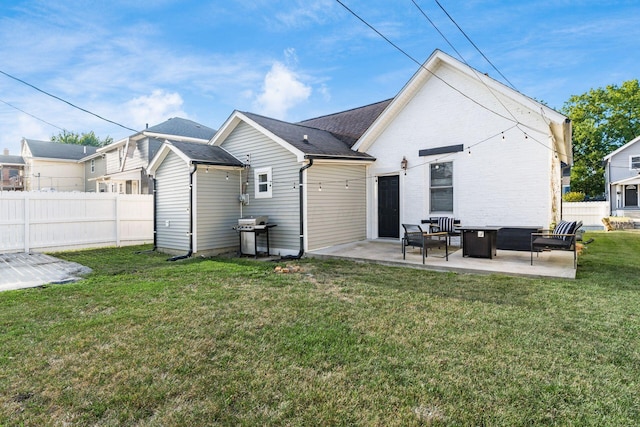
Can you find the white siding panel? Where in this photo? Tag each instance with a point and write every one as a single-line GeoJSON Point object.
{"type": "Point", "coordinates": [336, 214]}
{"type": "Point", "coordinates": [172, 205]}
{"type": "Point", "coordinates": [283, 207]}
{"type": "Point", "coordinates": [218, 209]}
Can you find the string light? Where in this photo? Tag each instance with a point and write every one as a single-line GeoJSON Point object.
{"type": "Point", "coordinates": [227, 176]}
{"type": "Point", "coordinates": [294, 185]}
{"type": "Point", "coordinates": [207, 169]}
{"type": "Point", "coordinates": [320, 187]}
{"type": "Point", "coordinates": [503, 136]}
{"type": "Point", "coordinates": [346, 186]}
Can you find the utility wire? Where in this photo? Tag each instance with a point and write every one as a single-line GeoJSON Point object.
{"type": "Point", "coordinates": [35, 117]}
{"type": "Point", "coordinates": [67, 102]}
{"type": "Point", "coordinates": [474, 45]}
{"type": "Point", "coordinates": [420, 64]}
{"type": "Point", "coordinates": [511, 119]}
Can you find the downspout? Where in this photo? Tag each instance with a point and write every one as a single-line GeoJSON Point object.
{"type": "Point", "coordinates": [300, 177]}
{"type": "Point", "coordinates": [155, 210]}
{"type": "Point", "coordinates": [192, 170]}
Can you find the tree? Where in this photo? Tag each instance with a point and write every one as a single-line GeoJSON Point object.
{"type": "Point", "coordinates": [603, 119]}
{"type": "Point", "coordinates": [89, 138]}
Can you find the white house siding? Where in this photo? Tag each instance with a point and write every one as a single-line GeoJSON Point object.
{"type": "Point", "coordinates": [54, 175]}
{"type": "Point", "coordinates": [336, 214]}
{"type": "Point", "coordinates": [283, 207]}
{"type": "Point", "coordinates": [502, 182]}
{"type": "Point", "coordinates": [172, 205]}
{"type": "Point", "coordinates": [217, 210]}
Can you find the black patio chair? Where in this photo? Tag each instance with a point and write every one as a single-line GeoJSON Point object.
{"type": "Point", "coordinates": [562, 237]}
{"type": "Point", "coordinates": [414, 236]}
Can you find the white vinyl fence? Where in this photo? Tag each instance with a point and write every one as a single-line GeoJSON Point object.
{"type": "Point", "coordinates": [590, 213]}
{"type": "Point", "coordinates": [41, 221]}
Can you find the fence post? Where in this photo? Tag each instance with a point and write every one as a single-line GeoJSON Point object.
{"type": "Point", "coordinates": [27, 222]}
{"type": "Point", "coordinates": [118, 220]}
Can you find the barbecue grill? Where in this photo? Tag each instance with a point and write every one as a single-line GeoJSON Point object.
{"type": "Point", "coordinates": [249, 229]}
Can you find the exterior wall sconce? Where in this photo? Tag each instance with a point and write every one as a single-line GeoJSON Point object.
{"type": "Point", "coordinates": [403, 164]}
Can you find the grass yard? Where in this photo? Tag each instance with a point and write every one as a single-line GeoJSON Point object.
{"type": "Point", "coordinates": [220, 341]}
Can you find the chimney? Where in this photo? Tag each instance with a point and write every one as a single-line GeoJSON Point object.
{"type": "Point", "coordinates": [6, 152]}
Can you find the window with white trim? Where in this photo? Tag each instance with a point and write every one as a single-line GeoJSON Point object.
{"type": "Point", "coordinates": [634, 162]}
{"type": "Point", "coordinates": [441, 187]}
{"type": "Point", "coordinates": [93, 166]}
{"type": "Point", "coordinates": [262, 180]}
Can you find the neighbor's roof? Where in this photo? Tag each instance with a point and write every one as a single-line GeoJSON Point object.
{"type": "Point", "coordinates": [11, 160]}
{"type": "Point", "coordinates": [56, 150]}
{"type": "Point", "coordinates": [349, 125]}
{"type": "Point", "coordinates": [204, 153]}
{"type": "Point", "coordinates": [320, 143]}
{"type": "Point", "coordinates": [182, 127]}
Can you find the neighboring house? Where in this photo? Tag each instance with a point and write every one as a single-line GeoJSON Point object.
{"type": "Point", "coordinates": [622, 179]}
{"type": "Point", "coordinates": [127, 159]}
{"type": "Point", "coordinates": [11, 172]}
{"type": "Point", "coordinates": [453, 142]}
{"type": "Point", "coordinates": [53, 166]}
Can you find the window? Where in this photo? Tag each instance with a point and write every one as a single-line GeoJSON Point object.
{"type": "Point", "coordinates": [441, 187]}
{"type": "Point", "coordinates": [93, 166]}
{"type": "Point", "coordinates": [262, 178]}
{"type": "Point", "coordinates": [634, 162]}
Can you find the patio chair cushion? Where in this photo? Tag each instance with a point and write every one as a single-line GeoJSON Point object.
{"type": "Point", "coordinates": [445, 224]}
{"type": "Point", "coordinates": [564, 227]}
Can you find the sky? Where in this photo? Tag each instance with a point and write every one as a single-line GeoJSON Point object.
{"type": "Point", "coordinates": [141, 63]}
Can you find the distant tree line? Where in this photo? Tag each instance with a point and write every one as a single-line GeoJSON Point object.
{"type": "Point", "coordinates": [88, 138]}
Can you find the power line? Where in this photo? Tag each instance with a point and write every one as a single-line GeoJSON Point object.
{"type": "Point", "coordinates": [474, 45]}
{"type": "Point", "coordinates": [67, 102]}
{"type": "Point", "coordinates": [421, 65]}
{"type": "Point", "coordinates": [35, 117]}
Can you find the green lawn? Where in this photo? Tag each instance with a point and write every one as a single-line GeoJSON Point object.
{"type": "Point", "coordinates": [147, 342]}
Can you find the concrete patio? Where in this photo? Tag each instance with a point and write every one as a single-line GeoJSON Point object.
{"type": "Point", "coordinates": [553, 264]}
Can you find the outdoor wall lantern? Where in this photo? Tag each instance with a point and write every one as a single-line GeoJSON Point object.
{"type": "Point", "coordinates": [403, 164]}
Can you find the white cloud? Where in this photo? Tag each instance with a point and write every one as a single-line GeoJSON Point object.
{"type": "Point", "coordinates": [155, 108]}
{"type": "Point", "coordinates": [282, 91]}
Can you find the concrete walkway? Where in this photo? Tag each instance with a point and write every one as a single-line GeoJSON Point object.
{"type": "Point", "coordinates": [22, 270]}
{"type": "Point", "coordinates": [554, 264]}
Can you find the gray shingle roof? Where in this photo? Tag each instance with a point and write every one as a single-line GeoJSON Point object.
{"type": "Point", "coordinates": [11, 160]}
{"type": "Point", "coordinates": [205, 153]}
{"type": "Point", "coordinates": [349, 125]}
{"type": "Point", "coordinates": [56, 150]}
{"type": "Point", "coordinates": [320, 143]}
{"type": "Point", "coordinates": [182, 127]}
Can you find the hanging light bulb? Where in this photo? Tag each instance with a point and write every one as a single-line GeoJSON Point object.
{"type": "Point", "coordinates": [294, 185]}
{"type": "Point", "coordinates": [469, 152]}
{"type": "Point", "coordinates": [227, 176]}
{"type": "Point", "coordinates": [207, 169]}
{"type": "Point", "coordinates": [503, 136]}
{"type": "Point", "coordinates": [320, 187]}
{"type": "Point", "coordinates": [346, 185]}
{"type": "Point", "coordinates": [526, 136]}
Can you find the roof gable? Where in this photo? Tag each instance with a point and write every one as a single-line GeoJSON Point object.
{"type": "Point", "coordinates": [622, 148]}
{"type": "Point", "coordinates": [318, 144]}
{"type": "Point", "coordinates": [559, 124]}
{"type": "Point", "coordinates": [194, 152]}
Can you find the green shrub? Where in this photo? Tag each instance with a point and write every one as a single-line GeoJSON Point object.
{"type": "Point", "coordinates": [573, 196]}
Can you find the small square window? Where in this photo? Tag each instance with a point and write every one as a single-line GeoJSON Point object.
{"type": "Point", "coordinates": [634, 162]}
{"type": "Point", "coordinates": [262, 178]}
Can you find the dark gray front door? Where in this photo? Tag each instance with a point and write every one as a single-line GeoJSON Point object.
{"type": "Point", "coordinates": [631, 196]}
{"type": "Point", "coordinates": [389, 206]}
